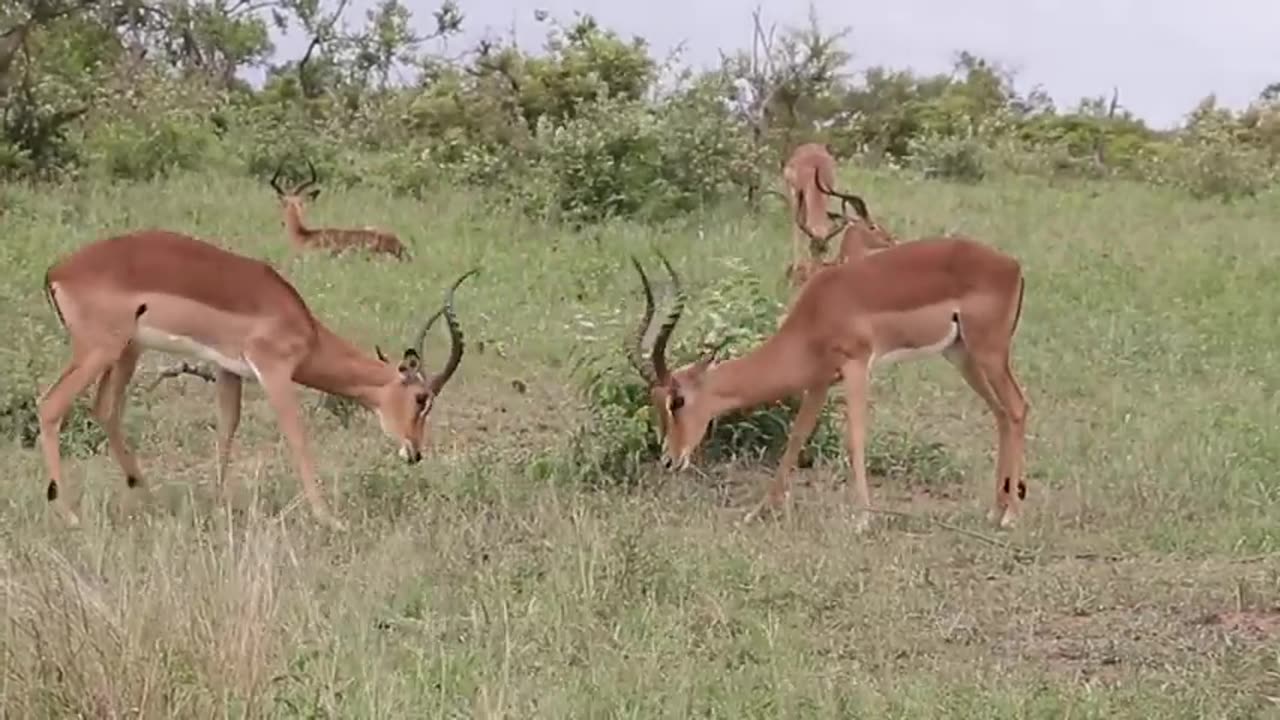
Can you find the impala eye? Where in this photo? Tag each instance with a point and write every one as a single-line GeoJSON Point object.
{"type": "Point", "coordinates": [677, 402]}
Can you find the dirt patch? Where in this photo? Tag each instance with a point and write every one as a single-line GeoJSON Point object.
{"type": "Point", "coordinates": [1254, 625]}
{"type": "Point", "coordinates": [1103, 645]}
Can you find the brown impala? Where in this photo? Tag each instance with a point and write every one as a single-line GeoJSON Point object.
{"type": "Point", "coordinates": [857, 238]}
{"type": "Point", "coordinates": [335, 240]}
{"type": "Point", "coordinates": [810, 176]}
{"type": "Point", "coordinates": [941, 295]}
{"type": "Point", "coordinates": [160, 290]}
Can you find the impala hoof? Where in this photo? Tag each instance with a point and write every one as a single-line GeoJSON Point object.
{"type": "Point", "coordinates": [1008, 520]}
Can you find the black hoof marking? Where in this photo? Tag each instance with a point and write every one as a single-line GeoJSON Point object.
{"type": "Point", "coordinates": [1022, 490]}
{"type": "Point", "coordinates": [1006, 486]}
{"type": "Point", "coordinates": [52, 491]}
{"type": "Point", "coordinates": [131, 481]}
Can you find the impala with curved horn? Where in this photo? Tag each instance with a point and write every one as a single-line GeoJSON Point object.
{"type": "Point", "coordinates": [160, 290]}
{"type": "Point", "coordinates": [335, 240]}
{"type": "Point", "coordinates": [951, 296]}
{"type": "Point", "coordinates": [809, 174]}
{"type": "Point", "coordinates": [859, 234]}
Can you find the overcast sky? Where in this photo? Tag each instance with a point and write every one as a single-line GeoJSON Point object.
{"type": "Point", "coordinates": [1164, 55]}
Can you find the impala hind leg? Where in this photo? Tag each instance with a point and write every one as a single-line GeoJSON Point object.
{"type": "Point", "coordinates": [801, 429]}
{"type": "Point", "coordinates": [108, 408]}
{"type": "Point", "coordinates": [229, 389]}
{"type": "Point", "coordinates": [53, 406]}
{"type": "Point", "coordinates": [963, 360]}
{"type": "Point", "coordinates": [986, 331]}
{"type": "Point", "coordinates": [854, 376]}
{"type": "Point", "coordinates": [995, 367]}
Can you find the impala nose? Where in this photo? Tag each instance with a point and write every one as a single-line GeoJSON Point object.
{"type": "Point", "coordinates": [410, 455]}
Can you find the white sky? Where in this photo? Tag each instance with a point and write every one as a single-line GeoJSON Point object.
{"type": "Point", "coordinates": [1164, 55]}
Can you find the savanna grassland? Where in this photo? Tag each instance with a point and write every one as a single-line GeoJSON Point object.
{"type": "Point", "coordinates": [492, 580]}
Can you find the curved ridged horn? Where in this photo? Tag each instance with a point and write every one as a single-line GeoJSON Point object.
{"type": "Point", "coordinates": [659, 355]}
{"type": "Point", "coordinates": [859, 206]}
{"type": "Point", "coordinates": [818, 244]}
{"type": "Point", "coordinates": [309, 183]}
{"type": "Point", "coordinates": [456, 344]}
{"type": "Point", "coordinates": [635, 354]}
{"type": "Point", "coordinates": [275, 179]}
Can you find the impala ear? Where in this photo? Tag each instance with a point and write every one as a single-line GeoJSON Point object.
{"type": "Point", "coordinates": [313, 193]}
{"type": "Point", "coordinates": [378, 351]}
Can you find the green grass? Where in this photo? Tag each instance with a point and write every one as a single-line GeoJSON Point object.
{"type": "Point", "coordinates": [471, 586]}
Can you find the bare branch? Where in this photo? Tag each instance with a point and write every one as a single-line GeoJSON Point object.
{"type": "Point", "coordinates": [320, 36]}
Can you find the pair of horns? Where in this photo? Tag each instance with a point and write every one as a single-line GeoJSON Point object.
{"type": "Point", "coordinates": [656, 370]}
{"type": "Point", "coordinates": [859, 207]}
{"type": "Point", "coordinates": [275, 179]}
{"type": "Point", "coordinates": [413, 354]}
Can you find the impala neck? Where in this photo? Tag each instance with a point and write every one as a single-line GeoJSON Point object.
{"type": "Point", "coordinates": [293, 222]}
{"type": "Point", "coordinates": [771, 372]}
{"type": "Point", "coordinates": [337, 367]}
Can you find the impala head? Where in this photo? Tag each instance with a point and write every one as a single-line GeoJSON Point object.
{"type": "Point", "coordinates": [403, 404]}
{"type": "Point", "coordinates": [293, 200]}
{"type": "Point", "coordinates": [858, 233]}
{"type": "Point", "coordinates": [677, 396]}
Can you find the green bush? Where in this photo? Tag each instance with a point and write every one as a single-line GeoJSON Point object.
{"type": "Point", "coordinates": [1221, 170]}
{"type": "Point", "coordinates": [961, 159]}
{"type": "Point", "coordinates": [158, 126]}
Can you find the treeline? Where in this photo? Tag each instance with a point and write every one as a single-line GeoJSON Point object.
{"type": "Point", "coordinates": [591, 126]}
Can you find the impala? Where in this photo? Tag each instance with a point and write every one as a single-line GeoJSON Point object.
{"type": "Point", "coordinates": [806, 173]}
{"type": "Point", "coordinates": [857, 238]}
{"type": "Point", "coordinates": [335, 240]}
{"type": "Point", "coordinates": [941, 295]}
{"type": "Point", "coordinates": [160, 290]}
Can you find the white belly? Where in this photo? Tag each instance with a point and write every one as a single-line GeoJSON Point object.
{"type": "Point", "coordinates": [902, 354]}
{"type": "Point", "coordinates": [153, 339]}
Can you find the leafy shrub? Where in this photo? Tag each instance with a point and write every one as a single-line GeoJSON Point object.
{"type": "Point", "coordinates": [158, 125]}
{"type": "Point", "coordinates": [962, 159]}
{"type": "Point", "coordinates": [1221, 170]}
{"type": "Point", "coordinates": [623, 158]}
{"type": "Point", "coordinates": [1214, 158]}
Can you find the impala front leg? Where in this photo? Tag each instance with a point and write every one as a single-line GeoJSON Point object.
{"type": "Point", "coordinates": [801, 429]}
{"type": "Point", "coordinates": [277, 384]}
{"type": "Point", "coordinates": [855, 397]}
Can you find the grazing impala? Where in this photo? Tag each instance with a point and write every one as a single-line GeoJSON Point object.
{"type": "Point", "coordinates": [159, 290]}
{"type": "Point", "coordinates": [335, 240]}
{"type": "Point", "coordinates": [856, 238]}
{"type": "Point", "coordinates": [951, 296]}
{"type": "Point", "coordinates": [809, 170]}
